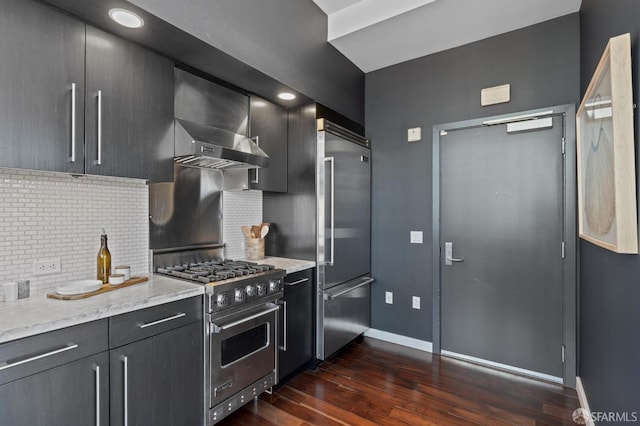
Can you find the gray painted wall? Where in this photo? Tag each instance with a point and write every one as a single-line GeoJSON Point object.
{"type": "Point", "coordinates": [542, 65]}
{"type": "Point", "coordinates": [609, 283]}
{"type": "Point", "coordinates": [285, 39]}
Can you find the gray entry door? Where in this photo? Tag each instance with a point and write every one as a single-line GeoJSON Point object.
{"type": "Point", "coordinates": [351, 181]}
{"type": "Point", "coordinates": [501, 207]}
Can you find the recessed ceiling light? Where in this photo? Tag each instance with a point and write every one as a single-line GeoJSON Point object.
{"type": "Point", "coordinates": [286, 96]}
{"type": "Point", "coordinates": [259, 104]}
{"type": "Point", "coordinates": [126, 18]}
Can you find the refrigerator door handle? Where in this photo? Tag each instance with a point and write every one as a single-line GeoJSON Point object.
{"type": "Point", "coordinates": [333, 210]}
{"type": "Point", "coordinates": [365, 281]}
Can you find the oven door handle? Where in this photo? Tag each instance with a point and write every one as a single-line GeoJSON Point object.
{"type": "Point", "coordinates": [218, 328]}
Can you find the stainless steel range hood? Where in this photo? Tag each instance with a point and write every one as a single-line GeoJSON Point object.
{"type": "Point", "coordinates": [198, 145]}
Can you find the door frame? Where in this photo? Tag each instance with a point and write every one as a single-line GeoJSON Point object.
{"type": "Point", "coordinates": [569, 267]}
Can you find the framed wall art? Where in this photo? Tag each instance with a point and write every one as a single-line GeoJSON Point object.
{"type": "Point", "coordinates": [607, 212]}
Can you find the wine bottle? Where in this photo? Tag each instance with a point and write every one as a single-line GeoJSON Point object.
{"type": "Point", "coordinates": [104, 259]}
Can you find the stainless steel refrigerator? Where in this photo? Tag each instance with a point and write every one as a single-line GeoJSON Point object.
{"type": "Point", "coordinates": [325, 216]}
{"type": "Point", "coordinates": [343, 202]}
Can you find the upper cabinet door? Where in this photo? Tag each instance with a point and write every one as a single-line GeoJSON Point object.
{"type": "Point", "coordinates": [42, 67]}
{"type": "Point", "coordinates": [269, 130]}
{"type": "Point", "coordinates": [129, 110]}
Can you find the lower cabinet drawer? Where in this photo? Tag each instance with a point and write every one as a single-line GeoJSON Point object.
{"type": "Point", "coordinates": [31, 355]}
{"type": "Point", "coordinates": [137, 325]}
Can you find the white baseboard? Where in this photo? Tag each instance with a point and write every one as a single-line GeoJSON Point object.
{"type": "Point", "coordinates": [410, 342]}
{"type": "Point", "coordinates": [582, 397]}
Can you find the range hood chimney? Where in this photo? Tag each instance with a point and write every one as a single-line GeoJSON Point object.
{"type": "Point", "coordinates": [199, 145]}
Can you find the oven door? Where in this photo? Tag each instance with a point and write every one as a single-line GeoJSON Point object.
{"type": "Point", "coordinates": [243, 350]}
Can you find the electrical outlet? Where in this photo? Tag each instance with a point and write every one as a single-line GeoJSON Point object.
{"type": "Point", "coordinates": [46, 267]}
{"type": "Point", "coordinates": [416, 302]}
{"type": "Point", "coordinates": [388, 297]}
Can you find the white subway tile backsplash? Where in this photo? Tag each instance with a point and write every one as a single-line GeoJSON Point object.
{"type": "Point", "coordinates": [53, 215]}
{"type": "Point", "coordinates": [239, 208]}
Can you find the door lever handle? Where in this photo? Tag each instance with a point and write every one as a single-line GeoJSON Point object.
{"type": "Point", "coordinates": [448, 255]}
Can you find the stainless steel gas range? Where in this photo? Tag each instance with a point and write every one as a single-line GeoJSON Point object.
{"type": "Point", "coordinates": [241, 323]}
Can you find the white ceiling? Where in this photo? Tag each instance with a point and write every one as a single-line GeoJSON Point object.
{"type": "Point", "coordinates": [374, 34]}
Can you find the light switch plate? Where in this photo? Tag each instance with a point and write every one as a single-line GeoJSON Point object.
{"type": "Point", "coordinates": [388, 297]}
{"type": "Point", "coordinates": [414, 134]}
{"type": "Point", "coordinates": [415, 237]}
{"type": "Point", "coordinates": [415, 303]}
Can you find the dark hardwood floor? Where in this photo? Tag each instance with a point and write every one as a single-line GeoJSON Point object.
{"type": "Point", "coordinates": [372, 382]}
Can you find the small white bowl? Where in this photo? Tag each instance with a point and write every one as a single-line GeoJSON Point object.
{"type": "Point", "coordinates": [124, 270]}
{"type": "Point", "coordinates": [116, 279]}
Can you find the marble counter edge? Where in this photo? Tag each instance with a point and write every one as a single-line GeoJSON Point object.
{"type": "Point", "coordinates": [32, 325]}
{"type": "Point", "coordinates": [288, 264]}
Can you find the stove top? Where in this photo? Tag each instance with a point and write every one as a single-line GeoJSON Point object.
{"type": "Point", "coordinates": [213, 271]}
{"type": "Point", "coordinates": [230, 285]}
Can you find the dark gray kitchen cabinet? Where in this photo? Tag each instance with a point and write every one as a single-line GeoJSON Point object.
{"type": "Point", "coordinates": [56, 378]}
{"type": "Point", "coordinates": [69, 395]}
{"type": "Point", "coordinates": [268, 125]}
{"type": "Point", "coordinates": [129, 109]}
{"type": "Point", "coordinates": [158, 380]}
{"type": "Point", "coordinates": [75, 99]}
{"type": "Point", "coordinates": [296, 338]}
{"type": "Point", "coordinates": [41, 88]}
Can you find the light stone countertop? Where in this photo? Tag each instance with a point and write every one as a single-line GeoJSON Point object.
{"type": "Point", "coordinates": [39, 314]}
{"type": "Point", "coordinates": [290, 265]}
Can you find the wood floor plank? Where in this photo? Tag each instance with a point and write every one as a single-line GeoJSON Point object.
{"type": "Point", "coordinates": [304, 413]}
{"type": "Point", "coordinates": [371, 382]}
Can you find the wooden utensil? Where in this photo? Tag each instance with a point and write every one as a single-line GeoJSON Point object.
{"type": "Point", "coordinates": [255, 231]}
{"type": "Point", "coordinates": [246, 231]}
{"type": "Point", "coordinates": [264, 230]}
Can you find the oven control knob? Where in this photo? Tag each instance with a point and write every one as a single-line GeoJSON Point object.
{"type": "Point", "coordinates": [222, 300]}
{"type": "Point", "coordinates": [241, 295]}
{"type": "Point", "coordinates": [274, 285]}
{"type": "Point", "coordinates": [251, 290]}
{"type": "Point", "coordinates": [262, 289]}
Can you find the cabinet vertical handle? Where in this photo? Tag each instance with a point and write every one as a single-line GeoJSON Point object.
{"type": "Point", "coordinates": [97, 369]}
{"type": "Point", "coordinates": [257, 178]}
{"type": "Point", "coordinates": [284, 326]}
{"type": "Point", "coordinates": [125, 362]}
{"type": "Point", "coordinates": [73, 122]}
{"type": "Point", "coordinates": [333, 209]}
{"type": "Point", "coordinates": [99, 160]}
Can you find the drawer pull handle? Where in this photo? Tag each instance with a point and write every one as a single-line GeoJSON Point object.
{"type": "Point", "coordinates": [37, 357]}
{"type": "Point", "coordinates": [362, 284]}
{"type": "Point", "coordinates": [160, 321]}
{"type": "Point", "coordinates": [304, 280]}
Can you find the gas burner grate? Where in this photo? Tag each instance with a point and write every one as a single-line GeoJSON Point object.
{"type": "Point", "coordinates": [213, 270]}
